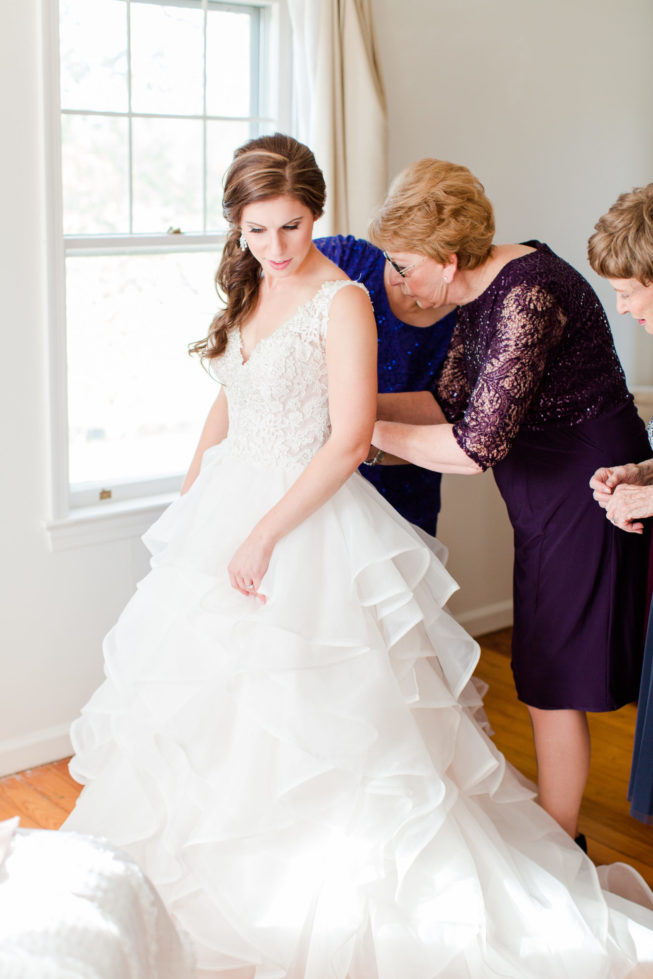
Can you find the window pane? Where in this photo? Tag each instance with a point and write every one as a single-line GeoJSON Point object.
{"type": "Point", "coordinates": [228, 64]}
{"type": "Point", "coordinates": [95, 161]}
{"type": "Point", "coordinates": [93, 54]}
{"type": "Point", "coordinates": [222, 138]}
{"type": "Point", "coordinates": [167, 59]}
{"type": "Point", "coordinates": [137, 401]}
{"type": "Point", "coordinates": [167, 182]}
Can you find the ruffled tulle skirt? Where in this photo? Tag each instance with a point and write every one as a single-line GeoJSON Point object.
{"type": "Point", "coordinates": [308, 783]}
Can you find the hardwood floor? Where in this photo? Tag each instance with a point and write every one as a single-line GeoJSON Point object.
{"type": "Point", "coordinates": [612, 834]}
{"type": "Point", "coordinates": [43, 797]}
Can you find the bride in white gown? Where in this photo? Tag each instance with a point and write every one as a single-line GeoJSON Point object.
{"type": "Point", "coordinates": [287, 737]}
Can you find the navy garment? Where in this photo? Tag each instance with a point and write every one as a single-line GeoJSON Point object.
{"type": "Point", "coordinates": [409, 359]}
{"type": "Point", "coordinates": [640, 790]}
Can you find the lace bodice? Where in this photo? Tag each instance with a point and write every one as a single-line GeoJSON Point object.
{"type": "Point", "coordinates": [278, 399]}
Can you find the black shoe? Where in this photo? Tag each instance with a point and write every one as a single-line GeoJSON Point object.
{"type": "Point", "coordinates": [581, 842]}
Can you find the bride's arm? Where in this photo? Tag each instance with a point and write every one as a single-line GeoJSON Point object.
{"type": "Point", "coordinates": [351, 364]}
{"type": "Point", "coordinates": [214, 431]}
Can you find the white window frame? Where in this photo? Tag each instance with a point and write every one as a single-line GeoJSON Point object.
{"type": "Point", "coordinates": [79, 519]}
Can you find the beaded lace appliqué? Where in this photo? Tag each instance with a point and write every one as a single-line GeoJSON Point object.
{"type": "Point", "coordinates": [278, 398]}
{"type": "Point", "coordinates": [534, 350]}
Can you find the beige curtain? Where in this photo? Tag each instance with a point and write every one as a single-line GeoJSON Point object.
{"type": "Point", "coordinates": [339, 107]}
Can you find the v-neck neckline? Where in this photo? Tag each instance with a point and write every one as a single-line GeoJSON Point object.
{"type": "Point", "coordinates": [244, 361]}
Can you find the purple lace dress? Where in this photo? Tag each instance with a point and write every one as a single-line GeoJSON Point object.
{"type": "Point", "coordinates": [535, 390]}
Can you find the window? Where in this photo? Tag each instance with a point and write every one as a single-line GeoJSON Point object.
{"type": "Point", "coordinates": [150, 97]}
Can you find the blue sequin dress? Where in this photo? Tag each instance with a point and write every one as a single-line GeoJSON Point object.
{"type": "Point", "coordinates": [640, 790]}
{"type": "Point", "coordinates": [409, 358]}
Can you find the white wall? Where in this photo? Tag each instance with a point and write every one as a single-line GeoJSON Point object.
{"type": "Point", "coordinates": [54, 608]}
{"type": "Point", "coordinates": [546, 102]}
{"type": "Point", "coordinates": [549, 104]}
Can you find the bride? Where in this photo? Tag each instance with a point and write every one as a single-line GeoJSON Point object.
{"type": "Point", "coordinates": [288, 739]}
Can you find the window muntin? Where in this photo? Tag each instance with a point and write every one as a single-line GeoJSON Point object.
{"type": "Point", "coordinates": [151, 110]}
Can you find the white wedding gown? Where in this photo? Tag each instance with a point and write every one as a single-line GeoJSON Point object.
{"type": "Point", "coordinates": [306, 782]}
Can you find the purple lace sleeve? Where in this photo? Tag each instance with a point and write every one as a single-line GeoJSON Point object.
{"type": "Point", "coordinates": [452, 389]}
{"type": "Point", "coordinates": [527, 325]}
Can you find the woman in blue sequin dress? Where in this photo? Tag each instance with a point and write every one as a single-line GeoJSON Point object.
{"type": "Point", "coordinates": [621, 250]}
{"type": "Point", "coordinates": [412, 346]}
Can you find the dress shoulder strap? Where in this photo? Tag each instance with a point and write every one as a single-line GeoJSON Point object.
{"type": "Point", "coordinates": [325, 296]}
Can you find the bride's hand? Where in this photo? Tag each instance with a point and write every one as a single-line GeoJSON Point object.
{"type": "Point", "coordinates": [248, 566]}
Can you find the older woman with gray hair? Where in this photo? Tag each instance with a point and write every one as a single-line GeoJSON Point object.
{"type": "Point", "coordinates": [621, 250]}
{"type": "Point", "coordinates": [533, 389]}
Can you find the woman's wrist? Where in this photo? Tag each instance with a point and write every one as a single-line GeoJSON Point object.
{"type": "Point", "coordinates": [374, 457]}
{"type": "Point", "coordinates": [264, 535]}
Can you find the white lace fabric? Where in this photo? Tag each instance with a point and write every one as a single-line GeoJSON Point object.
{"type": "Point", "coordinates": [278, 404]}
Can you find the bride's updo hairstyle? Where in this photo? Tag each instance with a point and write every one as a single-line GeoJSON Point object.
{"type": "Point", "coordinates": [437, 209]}
{"type": "Point", "coordinates": [263, 168]}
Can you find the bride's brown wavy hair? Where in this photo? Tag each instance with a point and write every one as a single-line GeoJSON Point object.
{"type": "Point", "coordinates": [270, 166]}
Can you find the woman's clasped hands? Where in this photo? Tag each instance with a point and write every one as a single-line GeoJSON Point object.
{"type": "Point", "coordinates": [625, 493]}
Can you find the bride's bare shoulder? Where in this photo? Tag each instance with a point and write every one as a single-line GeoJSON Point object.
{"type": "Point", "coordinates": [327, 270]}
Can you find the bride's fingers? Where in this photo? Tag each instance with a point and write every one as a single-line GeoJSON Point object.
{"type": "Point", "coordinates": [252, 586]}
{"type": "Point", "coordinates": [247, 586]}
{"type": "Point", "coordinates": [253, 590]}
{"type": "Point", "coordinates": [238, 582]}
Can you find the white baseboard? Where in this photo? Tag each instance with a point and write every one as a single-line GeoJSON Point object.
{"type": "Point", "coordinates": [39, 748]}
{"type": "Point", "coordinates": [487, 618]}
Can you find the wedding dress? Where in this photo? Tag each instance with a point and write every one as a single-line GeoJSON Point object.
{"type": "Point", "coordinates": [308, 782]}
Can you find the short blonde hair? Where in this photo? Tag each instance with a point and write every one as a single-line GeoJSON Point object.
{"type": "Point", "coordinates": [622, 244]}
{"type": "Point", "coordinates": [437, 209]}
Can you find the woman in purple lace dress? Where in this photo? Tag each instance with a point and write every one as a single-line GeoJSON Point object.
{"type": "Point", "coordinates": [532, 388]}
{"type": "Point", "coordinates": [621, 250]}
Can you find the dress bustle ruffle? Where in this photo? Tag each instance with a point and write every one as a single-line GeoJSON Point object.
{"type": "Point", "coordinates": [308, 782]}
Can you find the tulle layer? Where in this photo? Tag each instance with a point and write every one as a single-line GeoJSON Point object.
{"type": "Point", "coordinates": [308, 782]}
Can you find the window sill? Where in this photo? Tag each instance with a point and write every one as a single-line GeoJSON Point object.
{"type": "Point", "coordinates": [103, 523]}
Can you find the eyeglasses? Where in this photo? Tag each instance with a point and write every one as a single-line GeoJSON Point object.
{"type": "Point", "coordinates": [407, 268]}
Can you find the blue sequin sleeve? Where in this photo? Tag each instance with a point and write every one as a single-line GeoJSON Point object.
{"type": "Point", "coordinates": [409, 359]}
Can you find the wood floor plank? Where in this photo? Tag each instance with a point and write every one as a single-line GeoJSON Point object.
{"type": "Point", "coordinates": [613, 834]}
{"type": "Point", "coordinates": [7, 808]}
{"type": "Point", "coordinates": [36, 811]}
{"type": "Point", "coordinates": [55, 784]}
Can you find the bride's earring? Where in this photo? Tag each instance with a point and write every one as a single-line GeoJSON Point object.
{"type": "Point", "coordinates": [242, 241]}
